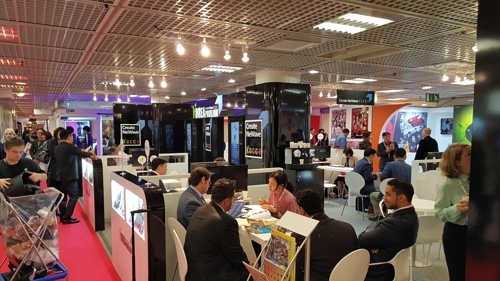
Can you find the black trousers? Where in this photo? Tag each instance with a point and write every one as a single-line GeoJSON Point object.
{"type": "Point", "coordinates": [51, 182]}
{"type": "Point", "coordinates": [455, 245]}
{"type": "Point", "coordinates": [70, 189]}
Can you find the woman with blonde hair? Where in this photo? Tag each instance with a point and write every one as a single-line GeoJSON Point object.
{"type": "Point", "coordinates": [452, 207]}
{"type": "Point", "coordinates": [7, 135]}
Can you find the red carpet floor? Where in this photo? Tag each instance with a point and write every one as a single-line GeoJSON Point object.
{"type": "Point", "coordinates": [82, 252]}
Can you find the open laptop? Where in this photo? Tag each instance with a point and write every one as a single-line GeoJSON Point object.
{"type": "Point", "coordinates": [236, 208]}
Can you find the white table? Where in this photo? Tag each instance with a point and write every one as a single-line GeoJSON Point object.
{"type": "Point", "coordinates": [335, 169]}
{"type": "Point", "coordinates": [423, 205]}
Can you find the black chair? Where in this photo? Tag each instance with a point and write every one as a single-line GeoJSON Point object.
{"type": "Point", "coordinates": [158, 242]}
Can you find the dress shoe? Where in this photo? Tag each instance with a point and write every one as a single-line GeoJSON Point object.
{"type": "Point", "coordinates": [370, 211]}
{"type": "Point", "coordinates": [70, 221]}
{"type": "Point", "coordinates": [376, 218]}
{"type": "Point", "coordinates": [58, 214]}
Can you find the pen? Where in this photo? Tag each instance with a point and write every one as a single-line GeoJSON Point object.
{"type": "Point", "coordinates": [263, 197]}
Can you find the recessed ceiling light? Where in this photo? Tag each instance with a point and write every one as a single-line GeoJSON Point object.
{"type": "Point", "coordinates": [392, 91]}
{"type": "Point", "coordinates": [366, 19]}
{"type": "Point", "coordinates": [464, 83]}
{"type": "Point", "coordinates": [183, 93]}
{"type": "Point", "coordinates": [133, 96]}
{"type": "Point", "coordinates": [231, 80]}
{"type": "Point", "coordinates": [221, 68]}
{"type": "Point", "coordinates": [20, 83]}
{"type": "Point", "coordinates": [424, 104]}
{"type": "Point", "coordinates": [313, 71]}
{"type": "Point", "coordinates": [353, 23]}
{"type": "Point", "coordinates": [426, 87]}
{"type": "Point", "coordinates": [144, 96]}
{"type": "Point", "coordinates": [358, 80]}
{"type": "Point", "coordinates": [395, 99]}
{"type": "Point", "coordinates": [203, 89]}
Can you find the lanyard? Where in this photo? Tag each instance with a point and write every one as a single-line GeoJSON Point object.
{"type": "Point", "coordinates": [462, 186]}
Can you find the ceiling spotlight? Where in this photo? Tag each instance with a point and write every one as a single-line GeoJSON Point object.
{"type": "Point", "coordinates": [163, 82]}
{"type": "Point", "coordinates": [205, 51]}
{"type": "Point", "coordinates": [167, 97]}
{"type": "Point", "coordinates": [321, 93]}
{"type": "Point", "coordinates": [445, 77]}
{"type": "Point", "coordinates": [227, 56]}
{"type": "Point", "coordinates": [151, 84]}
{"type": "Point", "coordinates": [132, 83]}
{"type": "Point", "coordinates": [95, 98]}
{"type": "Point", "coordinates": [228, 104]}
{"type": "Point", "coordinates": [244, 50]}
{"type": "Point", "coordinates": [313, 71]}
{"type": "Point", "coordinates": [183, 93]}
{"type": "Point", "coordinates": [180, 49]}
{"type": "Point", "coordinates": [231, 80]}
{"type": "Point", "coordinates": [328, 94]}
{"type": "Point", "coordinates": [235, 105]}
{"type": "Point", "coordinates": [128, 99]}
{"type": "Point", "coordinates": [457, 79]}
{"type": "Point", "coordinates": [203, 89]}
{"type": "Point", "coordinates": [475, 48]}
{"type": "Point", "coordinates": [106, 98]}
{"type": "Point", "coordinates": [118, 99]}
{"type": "Point", "coordinates": [20, 94]}
{"type": "Point", "coordinates": [117, 80]}
{"type": "Point", "coordinates": [426, 87]}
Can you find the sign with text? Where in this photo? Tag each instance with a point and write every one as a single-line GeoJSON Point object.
{"type": "Point", "coordinates": [253, 139]}
{"type": "Point", "coordinates": [355, 97]}
{"type": "Point", "coordinates": [131, 134]}
{"type": "Point", "coordinates": [208, 137]}
{"type": "Point", "coordinates": [206, 112]}
{"type": "Point", "coordinates": [431, 97]}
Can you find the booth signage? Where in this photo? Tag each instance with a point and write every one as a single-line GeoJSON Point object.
{"type": "Point", "coordinates": [431, 97]}
{"type": "Point", "coordinates": [208, 137]}
{"type": "Point", "coordinates": [206, 112]}
{"type": "Point", "coordinates": [131, 134]}
{"type": "Point", "coordinates": [253, 139]}
{"type": "Point", "coordinates": [355, 97]}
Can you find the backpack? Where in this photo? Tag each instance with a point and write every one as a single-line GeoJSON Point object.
{"type": "Point", "coordinates": [42, 153]}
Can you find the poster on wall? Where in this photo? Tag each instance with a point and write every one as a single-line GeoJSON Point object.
{"type": "Point", "coordinates": [208, 137]}
{"type": "Point", "coordinates": [133, 202]}
{"type": "Point", "coordinates": [406, 128]}
{"type": "Point", "coordinates": [169, 140]}
{"type": "Point", "coordinates": [253, 139]}
{"type": "Point", "coordinates": [188, 138]}
{"type": "Point", "coordinates": [462, 116]}
{"type": "Point", "coordinates": [118, 199]}
{"type": "Point", "coordinates": [359, 122]}
{"type": "Point", "coordinates": [338, 123]}
{"type": "Point", "coordinates": [131, 134]}
{"type": "Point", "coordinates": [235, 143]}
{"type": "Point", "coordinates": [77, 127]}
{"type": "Point", "coordinates": [108, 130]}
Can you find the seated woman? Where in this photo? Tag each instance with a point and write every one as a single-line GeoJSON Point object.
{"type": "Point", "coordinates": [348, 161]}
{"type": "Point", "coordinates": [281, 198]}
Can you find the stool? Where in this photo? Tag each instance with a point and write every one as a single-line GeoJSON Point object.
{"type": "Point", "coordinates": [328, 187]}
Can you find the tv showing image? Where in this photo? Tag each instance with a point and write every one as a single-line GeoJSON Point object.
{"type": "Point", "coordinates": [235, 143]}
{"type": "Point", "coordinates": [446, 126]}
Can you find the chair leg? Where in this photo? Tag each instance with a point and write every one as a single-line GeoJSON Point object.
{"type": "Point", "coordinates": [175, 271]}
{"type": "Point", "coordinates": [363, 207]}
{"type": "Point", "coordinates": [427, 258]}
{"type": "Point", "coordinates": [345, 201]}
{"type": "Point", "coordinates": [439, 251]}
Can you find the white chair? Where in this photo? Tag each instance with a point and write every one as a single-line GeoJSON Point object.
{"type": "Point", "coordinates": [247, 246]}
{"type": "Point", "coordinates": [383, 185]}
{"type": "Point", "coordinates": [359, 260]}
{"type": "Point", "coordinates": [401, 264]}
{"type": "Point", "coordinates": [181, 257]}
{"type": "Point", "coordinates": [430, 230]}
{"type": "Point", "coordinates": [329, 187]}
{"type": "Point", "coordinates": [354, 182]}
{"type": "Point", "coordinates": [174, 224]}
{"type": "Point", "coordinates": [172, 173]}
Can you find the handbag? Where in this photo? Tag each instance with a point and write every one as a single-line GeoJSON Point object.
{"type": "Point", "coordinates": [17, 187]}
{"type": "Point", "coordinates": [42, 153]}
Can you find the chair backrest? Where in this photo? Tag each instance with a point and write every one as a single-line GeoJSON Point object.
{"type": "Point", "coordinates": [247, 246]}
{"type": "Point", "coordinates": [430, 230]}
{"type": "Point", "coordinates": [358, 260]}
{"type": "Point", "coordinates": [181, 256]}
{"type": "Point", "coordinates": [383, 184]}
{"type": "Point", "coordinates": [381, 206]}
{"type": "Point", "coordinates": [158, 238]}
{"type": "Point", "coordinates": [172, 173]}
{"type": "Point", "coordinates": [174, 224]}
{"type": "Point", "coordinates": [426, 184]}
{"type": "Point", "coordinates": [355, 182]}
{"type": "Point", "coordinates": [401, 263]}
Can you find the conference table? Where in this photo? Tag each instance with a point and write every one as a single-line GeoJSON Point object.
{"type": "Point", "coordinates": [336, 168]}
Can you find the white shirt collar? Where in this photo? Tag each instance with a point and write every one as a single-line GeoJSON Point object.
{"type": "Point", "coordinates": [407, 207]}
{"type": "Point", "coordinates": [196, 190]}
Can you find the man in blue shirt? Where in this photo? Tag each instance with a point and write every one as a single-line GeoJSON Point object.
{"type": "Point", "coordinates": [397, 169]}
{"type": "Point", "coordinates": [341, 141]}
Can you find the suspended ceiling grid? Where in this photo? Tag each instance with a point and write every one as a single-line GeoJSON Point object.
{"type": "Point", "coordinates": [72, 49]}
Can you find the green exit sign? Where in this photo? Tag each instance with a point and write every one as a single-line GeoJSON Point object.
{"type": "Point", "coordinates": [432, 97]}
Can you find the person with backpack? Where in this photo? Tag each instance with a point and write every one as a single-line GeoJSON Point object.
{"type": "Point", "coordinates": [42, 153]}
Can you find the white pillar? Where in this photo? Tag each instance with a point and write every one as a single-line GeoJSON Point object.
{"type": "Point", "coordinates": [273, 75]}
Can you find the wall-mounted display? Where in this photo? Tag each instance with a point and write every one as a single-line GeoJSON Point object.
{"type": "Point", "coordinates": [108, 130]}
{"type": "Point", "coordinates": [462, 115]}
{"type": "Point", "coordinates": [188, 138]}
{"type": "Point", "coordinates": [208, 137]}
{"type": "Point", "coordinates": [169, 133]}
{"type": "Point", "coordinates": [253, 138]}
{"type": "Point", "coordinates": [118, 199]}
{"type": "Point", "coordinates": [130, 134]}
{"type": "Point", "coordinates": [235, 143]}
{"type": "Point", "coordinates": [446, 126]}
{"type": "Point", "coordinates": [133, 202]}
{"type": "Point", "coordinates": [359, 122]}
{"type": "Point", "coordinates": [77, 127]}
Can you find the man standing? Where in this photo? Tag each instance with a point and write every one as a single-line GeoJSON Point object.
{"type": "Point", "coordinates": [192, 198]}
{"type": "Point", "coordinates": [88, 141]}
{"type": "Point", "coordinates": [76, 140]}
{"type": "Point", "coordinates": [365, 169]}
{"type": "Point", "coordinates": [331, 240]}
{"type": "Point", "coordinates": [385, 150]}
{"type": "Point", "coordinates": [396, 232]}
{"type": "Point", "coordinates": [67, 157]}
{"type": "Point", "coordinates": [36, 143]}
{"type": "Point", "coordinates": [397, 169]}
{"type": "Point", "coordinates": [212, 246]}
{"type": "Point", "coordinates": [426, 144]}
{"type": "Point", "coordinates": [341, 141]}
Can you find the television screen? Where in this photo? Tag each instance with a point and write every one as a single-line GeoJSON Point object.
{"type": "Point", "coordinates": [238, 174]}
{"type": "Point", "coordinates": [446, 126]}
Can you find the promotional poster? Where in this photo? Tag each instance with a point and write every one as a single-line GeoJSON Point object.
{"type": "Point", "coordinates": [359, 122]}
{"type": "Point", "coordinates": [253, 139]}
{"type": "Point", "coordinates": [406, 128]}
{"type": "Point", "coordinates": [78, 127]}
{"type": "Point", "coordinates": [462, 131]}
{"type": "Point", "coordinates": [235, 143]}
{"type": "Point", "coordinates": [188, 138]}
{"type": "Point", "coordinates": [169, 131]}
{"type": "Point", "coordinates": [109, 131]}
{"type": "Point", "coordinates": [131, 134]}
{"type": "Point", "coordinates": [338, 123]}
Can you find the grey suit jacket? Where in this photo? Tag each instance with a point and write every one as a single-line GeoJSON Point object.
{"type": "Point", "coordinates": [188, 203]}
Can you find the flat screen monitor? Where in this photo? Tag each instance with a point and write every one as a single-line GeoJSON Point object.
{"type": "Point", "coordinates": [322, 152]}
{"type": "Point", "coordinates": [238, 174]}
{"type": "Point", "coordinates": [446, 126]}
{"type": "Point", "coordinates": [433, 155]}
{"type": "Point", "coordinates": [136, 152]}
{"type": "Point", "coordinates": [207, 164]}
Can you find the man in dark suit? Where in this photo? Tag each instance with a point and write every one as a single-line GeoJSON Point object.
{"type": "Point", "coordinates": [88, 140]}
{"type": "Point", "coordinates": [159, 167]}
{"type": "Point", "coordinates": [212, 246]}
{"type": "Point", "coordinates": [385, 150]}
{"type": "Point", "coordinates": [426, 144]}
{"type": "Point", "coordinates": [36, 144]}
{"type": "Point", "coordinates": [397, 231]}
{"type": "Point", "coordinates": [331, 240]}
{"type": "Point", "coordinates": [76, 140]}
{"type": "Point", "coordinates": [67, 157]}
{"type": "Point", "coordinates": [192, 198]}
{"type": "Point", "coordinates": [365, 169]}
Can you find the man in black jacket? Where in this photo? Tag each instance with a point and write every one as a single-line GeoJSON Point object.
{"type": "Point", "coordinates": [397, 231]}
{"type": "Point", "coordinates": [426, 144]}
{"type": "Point", "coordinates": [212, 246]}
{"type": "Point", "coordinates": [385, 150]}
{"type": "Point", "coordinates": [331, 240]}
{"type": "Point", "coordinates": [67, 155]}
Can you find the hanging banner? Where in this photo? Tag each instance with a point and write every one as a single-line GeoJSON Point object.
{"type": "Point", "coordinates": [131, 134]}
{"type": "Point", "coordinates": [253, 139]}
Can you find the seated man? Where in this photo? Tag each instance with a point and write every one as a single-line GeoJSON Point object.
{"type": "Point", "coordinates": [212, 246]}
{"type": "Point", "coordinates": [397, 169]}
{"type": "Point", "coordinates": [192, 197]}
{"type": "Point", "coordinates": [331, 240]}
{"type": "Point", "coordinates": [365, 169]}
{"type": "Point", "coordinates": [384, 239]}
{"type": "Point", "coordinates": [159, 167]}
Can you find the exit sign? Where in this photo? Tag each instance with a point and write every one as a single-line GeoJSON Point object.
{"type": "Point", "coordinates": [432, 97]}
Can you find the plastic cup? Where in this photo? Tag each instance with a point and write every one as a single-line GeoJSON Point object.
{"type": "Point", "coordinates": [301, 161]}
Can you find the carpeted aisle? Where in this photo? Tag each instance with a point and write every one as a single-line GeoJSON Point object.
{"type": "Point", "coordinates": [82, 252]}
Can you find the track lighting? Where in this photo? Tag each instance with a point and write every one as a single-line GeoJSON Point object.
{"type": "Point", "coordinates": [205, 51]}
{"type": "Point", "coordinates": [227, 56]}
{"type": "Point", "coordinates": [445, 77]}
{"type": "Point", "coordinates": [244, 50]}
{"type": "Point", "coordinates": [94, 98]}
{"type": "Point", "coordinates": [106, 98]}
{"type": "Point", "coordinates": [321, 93]}
{"type": "Point", "coordinates": [151, 84]}
{"type": "Point", "coordinates": [163, 83]}
{"type": "Point", "coordinates": [132, 83]}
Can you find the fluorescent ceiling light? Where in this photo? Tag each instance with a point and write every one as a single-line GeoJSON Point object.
{"type": "Point", "coordinates": [20, 83]}
{"type": "Point", "coordinates": [332, 97]}
{"type": "Point", "coordinates": [424, 104]}
{"type": "Point", "coordinates": [231, 81]}
{"type": "Point", "coordinates": [366, 19]}
{"type": "Point", "coordinates": [426, 87]}
{"type": "Point", "coordinates": [337, 27]}
{"type": "Point", "coordinates": [133, 96]}
{"type": "Point", "coordinates": [392, 91]}
{"type": "Point", "coordinates": [358, 81]}
{"type": "Point", "coordinates": [313, 71]}
{"type": "Point", "coordinates": [144, 96]}
{"type": "Point", "coordinates": [464, 83]}
{"type": "Point", "coordinates": [203, 89]}
{"type": "Point", "coordinates": [221, 68]}
{"type": "Point", "coordinates": [397, 99]}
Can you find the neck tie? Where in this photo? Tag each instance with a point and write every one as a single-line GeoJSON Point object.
{"type": "Point", "coordinates": [347, 162]}
{"type": "Point", "coordinates": [203, 200]}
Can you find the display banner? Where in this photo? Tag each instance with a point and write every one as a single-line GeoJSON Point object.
{"type": "Point", "coordinates": [355, 97]}
{"type": "Point", "coordinates": [253, 139]}
{"type": "Point", "coordinates": [206, 112]}
{"type": "Point", "coordinates": [208, 137]}
{"type": "Point", "coordinates": [131, 134]}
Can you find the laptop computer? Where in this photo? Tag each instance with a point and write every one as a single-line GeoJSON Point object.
{"type": "Point", "coordinates": [236, 208]}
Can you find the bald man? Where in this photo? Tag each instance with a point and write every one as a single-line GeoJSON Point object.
{"type": "Point", "coordinates": [427, 144]}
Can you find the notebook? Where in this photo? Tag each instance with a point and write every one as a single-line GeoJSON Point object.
{"type": "Point", "coordinates": [236, 208]}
